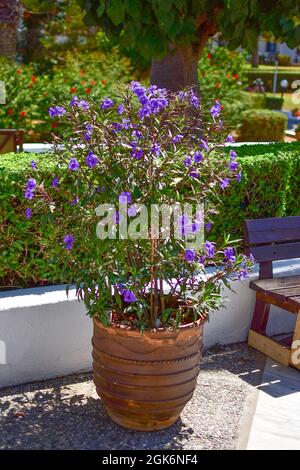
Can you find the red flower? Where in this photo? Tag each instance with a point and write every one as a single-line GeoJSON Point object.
{"type": "Point", "coordinates": [104, 82]}
{"type": "Point", "coordinates": [218, 85]}
{"type": "Point", "coordinates": [83, 82]}
{"type": "Point", "coordinates": [228, 75]}
{"type": "Point", "coordinates": [209, 55]}
{"type": "Point", "coordinates": [26, 15]}
{"type": "Point", "coordinates": [54, 125]}
{"type": "Point", "coordinates": [23, 114]}
{"type": "Point", "coordinates": [18, 71]}
{"type": "Point", "coordinates": [34, 79]}
{"type": "Point", "coordinates": [88, 90]}
{"type": "Point", "coordinates": [10, 111]}
{"type": "Point", "coordinates": [237, 76]}
{"type": "Point", "coordinates": [93, 82]}
{"type": "Point", "coordinates": [73, 89]}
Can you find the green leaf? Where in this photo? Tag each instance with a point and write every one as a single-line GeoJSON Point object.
{"type": "Point", "coordinates": [116, 11]}
{"type": "Point", "coordinates": [133, 7]}
{"type": "Point", "coordinates": [100, 10]}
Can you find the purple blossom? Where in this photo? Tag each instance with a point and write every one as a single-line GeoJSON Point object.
{"type": "Point", "coordinates": [194, 100]}
{"type": "Point", "coordinates": [75, 201]}
{"type": "Point", "coordinates": [224, 183]}
{"type": "Point", "coordinates": [232, 154]}
{"type": "Point", "coordinates": [132, 210]}
{"type": "Point", "coordinates": [233, 166]}
{"type": "Point", "coordinates": [55, 182]}
{"type": "Point", "coordinates": [126, 124]}
{"type": "Point", "coordinates": [195, 174]}
{"type": "Point", "coordinates": [57, 111]}
{"type": "Point", "coordinates": [106, 104]}
{"type": "Point", "coordinates": [183, 225]}
{"type": "Point", "coordinates": [156, 149]}
{"type": "Point", "coordinates": [120, 109]}
{"type": "Point", "coordinates": [229, 138]}
{"type": "Point", "coordinates": [215, 110]}
{"type": "Point", "coordinates": [117, 126]}
{"type": "Point", "coordinates": [238, 176]}
{"type": "Point", "coordinates": [88, 127]}
{"type": "Point", "coordinates": [33, 165]}
{"type": "Point", "coordinates": [116, 217]}
{"type": "Point", "coordinates": [229, 255]}
{"type": "Point", "coordinates": [125, 197]}
{"type": "Point", "coordinates": [177, 138]}
{"type": "Point", "coordinates": [74, 101]}
{"type": "Point", "coordinates": [204, 145]}
{"type": "Point", "coordinates": [28, 213]}
{"type": "Point", "coordinates": [83, 104]}
{"type": "Point", "coordinates": [87, 136]}
{"type": "Point", "coordinates": [195, 227]}
{"type": "Point", "coordinates": [91, 160]}
{"type": "Point", "coordinates": [69, 241]}
{"type": "Point", "coordinates": [243, 274]}
{"type": "Point", "coordinates": [198, 157]}
{"type": "Point", "coordinates": [207, 226]}
{"type": "Point", "coordinates": [188, 161]}
{"type": "Point", "coordinates": [137, 134]}
{"type": "Point", "coordinates": [129, 296]}
{"type": "Point", "coordinates": [210, 249]}
{"type": "Point", "coordinates": [28, 194]}
{"type": "Point", "coordinates": [189, 255]}
{"type": "Point", "coordinates": [137, 153]}
{"type": "Point", "coordinates": [73, 164]}
{"type": "Point", "coordinates": [31, 184]}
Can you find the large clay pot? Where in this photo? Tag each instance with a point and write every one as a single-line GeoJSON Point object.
{"type": "Point", "coordinates": [145, 380]}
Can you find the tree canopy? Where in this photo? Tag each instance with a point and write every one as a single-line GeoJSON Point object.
{"type": "Point", "coordinates": [150, 26]}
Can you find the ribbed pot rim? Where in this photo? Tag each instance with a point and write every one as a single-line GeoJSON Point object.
{"type": "Point", "coordinates": [160, 332]}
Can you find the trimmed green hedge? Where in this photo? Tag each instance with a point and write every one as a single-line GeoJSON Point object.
{"type": "Point", "coordinates": [262, 125]}
{"type": "Point", "coordinates": [270, 187]}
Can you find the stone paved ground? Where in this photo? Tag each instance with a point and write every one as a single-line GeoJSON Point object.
{"type": "Point", "coordinates": [65, 413]}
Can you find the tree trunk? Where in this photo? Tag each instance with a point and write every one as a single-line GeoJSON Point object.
{"type": "Point", "coordinates": [177, 70]}
{"type": "Point", "coordinates": [8, 28]}
{"type": "Point", "coordinates": [35, 25]}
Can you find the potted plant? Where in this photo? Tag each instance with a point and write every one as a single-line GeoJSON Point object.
{"type": "Point", "coordinates": [136, 181]}
{"type": "Point", "coordinates": [297, 132]}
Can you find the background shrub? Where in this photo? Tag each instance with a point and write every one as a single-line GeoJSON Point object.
{"type": "Point", "coordinates": [267, 77]}
{"type": "Point", "coordinates": [262, 125]}
{"type": "Point", "coordinates": [274, 102]}
{"type": "Point", "coordinates": [28, 255]}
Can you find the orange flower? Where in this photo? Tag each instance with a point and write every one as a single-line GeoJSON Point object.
{"type": "Point", "coordinates": [34, 79]}
{"type": "Point", "coordinates": [218, 85]}
{"type": "Point", "coordinates": [228, 75]}
{"type": "Point", "coordinates": [73, 89]}
{"type": "Point", "coordinates": [88, 90]}
{"type": "Point", "coordinates": [23, 114]}
{"type": "Point", "coordinates": [104, 82]}
{"type": "Point", "coordinates": [18, 71]}
{"type": "Point", "coordinates": [10, 111]}
{"type": "Point", "coordinates": [54, 125]}
{"type": "Point", "coordinates": [93, 82]}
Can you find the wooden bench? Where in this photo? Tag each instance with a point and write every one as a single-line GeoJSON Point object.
{"type": "Point", "coordinates": [269, 240]}
{"type": "Point", "coordinates": [10, 139]}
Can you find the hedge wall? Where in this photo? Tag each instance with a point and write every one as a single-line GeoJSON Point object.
{"type": "Point", "coordinates": [262, 125]}
{"type": "Point", "coordinates": [270, 187]}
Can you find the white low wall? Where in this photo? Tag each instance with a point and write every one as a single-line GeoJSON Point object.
{"type": "Point", "coordinates": [44, 334]}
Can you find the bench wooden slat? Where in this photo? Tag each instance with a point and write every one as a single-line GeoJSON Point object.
{"type": "Point", "coordinates": [276, 252]}
{"type": "Point", "coordinates": [275, 283]}
{"type": "Point", "coordinates": [274, 229]}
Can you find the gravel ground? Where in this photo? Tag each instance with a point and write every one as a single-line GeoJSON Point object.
{"type": "Point", "coordinates": [65, 413]}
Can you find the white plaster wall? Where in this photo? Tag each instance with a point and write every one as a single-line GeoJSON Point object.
{"type": "Point", "coordinates": [44, 334]}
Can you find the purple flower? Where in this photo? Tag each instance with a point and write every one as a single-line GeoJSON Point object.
{"type": "Point", "coordinates": [57, 111]}
{"type": "Point", "coordinates": [229, 138]}
{"type": "Point", "coordinates": [194, 174]}
{"type": "Point", "coordinates": [194, 100]}
{"type": "Point", "coordinates": [204, 145]}
{"type": "Point", "coordinates": [120, 109]}
{"type": "Point", "coordinates": [243, 274]}
{"type": "Point", "coordinates": [195, 227]}
{"type": "Point", "coordinates": [31, 184]}
{"type": "Point", "coordinates": [87, 136]}
{"type": "Point", "coordinates": [75, 201]}
{"type": "Point", "coordinates": [28, 194]}
{"type": "Point", "coordinates": [55, 182]}
{"type": "Point", "coordinates": [28, 213]}
{"type": "Point", "coordinates": [137, 134]}
{"type": "Point", "coordinates": [132, 210]}
{"type": "Point", "coordinates": [116, 217]}
{"type": "Point", "coordinates": [238, 176]}
{"type": "Point", "coordinates": [33, 165]}
{"type": "Point", "coordinates": [106, 104]}
{"type": "Point", "coordinates": [129, 296]}
{"type": "Point", "coordinates": [229, 255]}
{"type": "Point", "coordinates": [210, 249]}
{"type": "Point", "coordinates": [73, 164]}
{"type": "Point", "coordinates": [207, 226]}
{"type": "Point", "coordinates": [215, 110]}
{"type": "Point", "coordinates": [126, 124]}
{"type": "Point", "coordinates": [156, 149]}
{"type": "Point", "coordinates": [103, 189]}
{"type": "Point", "coordinates": [91, 160]}
{"type": "Point", "coordinates": [189, 255]}
{"type": "Point", "coordinates": [82, 104]}
{"type": "Point", "coordinates": [117, 126]}
{"type": "Point", "coordinates": [183, 224]}
{"type": "Point", "coordinates": [125, 197]}
{"type": "Point", "coordinates": [137, 154]}
{"type": "Point", "coordinates": [198, 157]}
{"type": "Point", "coordinates": [69, 241]}
{"type": "Point", "coordinates": [74, 101]}
{"type": "Point", "coordinates": [88, 127]}
{"type": "Point", "coordinates": [233, 166]}
{"type": "Point", "coordinates": [188, 161]}
{"type": "Point", "coordinates": [224, 183]}
{"type": "Point", "coordinates": [232, 154]}
{"type": "Point", "coordinates": [177, 138]}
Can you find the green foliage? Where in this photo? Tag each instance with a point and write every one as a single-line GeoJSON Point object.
{"type": "Point", "coordinates": [274, 102]}
{"type": "Point", "coordinates": [269, 187]}
{"type": "Point", "coordinates": [253, 100]}
{"type": "Point", "coordinates": [29, 94]}
{"type": "Point", "coordinates": [262, 125]}
{"type": "Point", "coordinates": [150, 25]}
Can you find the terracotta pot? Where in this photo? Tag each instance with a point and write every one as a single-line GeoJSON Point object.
{"type": "Point", "coordinates": [145, 380]}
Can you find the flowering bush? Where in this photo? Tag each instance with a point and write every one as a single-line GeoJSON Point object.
{"type": "Point", "coordinates": [119, 159]}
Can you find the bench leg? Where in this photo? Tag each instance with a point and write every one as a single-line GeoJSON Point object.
{"type": "Point", "coordinates": [295, 350]}
{"type": "Point", "coordinates": [260, 316]}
